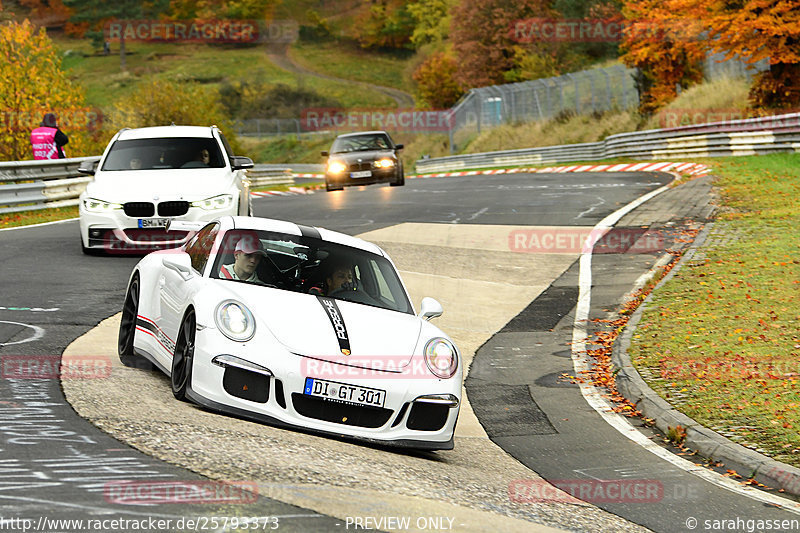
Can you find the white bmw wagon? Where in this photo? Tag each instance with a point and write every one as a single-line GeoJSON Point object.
{"type": "Point", "coordinates": [148, 177]}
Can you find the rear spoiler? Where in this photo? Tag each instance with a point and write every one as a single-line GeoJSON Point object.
{"type": "Point", "coordinates": [184, 225]}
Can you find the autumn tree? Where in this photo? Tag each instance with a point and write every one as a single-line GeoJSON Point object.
{"type": "Point", "coordinates": [47, 12]}
{"type": "Point", "coordinates": [436, 85]}
{"type": "Point", "coordinates": [667, 47]}
{"type": "Point", "coordinates": [756, 30]}
{"type": "Point", "coordinates": [482, 34]}
{"type": "Point", "coordinates": [222, 9]}
{"type": "Point", "coordinates": [431, 21]}
{"type": "Point", "coordinates": [383, 24]}
{"type": "Point", "coordinates": [34, 84]}
{"type": "Point", "coordinates": [162, 102]}
{"type": "Point", "coordinates": [95, 13]}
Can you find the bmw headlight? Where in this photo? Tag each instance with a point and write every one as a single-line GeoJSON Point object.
{"type": "Point", "coordinates": [441, 357]}
{"type": "Point", "coordinates": [223, 201]}
{"type": "Point", "coordinates": [336, 167]}
{"type": "Point", "coordinates": [384, 163]}
{"type": "Point", "coordinates": [235, 321]}
{"type": "Point", "coordinates": [93, 205]}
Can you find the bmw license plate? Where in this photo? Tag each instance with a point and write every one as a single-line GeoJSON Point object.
{"type": "Point", "coordinates": [342, 392]}
{"type": "Point", "coordinates": [153, 222]}
{"type": "Point", "coordinates": [361, 174]}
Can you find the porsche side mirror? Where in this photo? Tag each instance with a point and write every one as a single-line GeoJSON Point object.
{"type": "Point", "coordinates": [430, 308]}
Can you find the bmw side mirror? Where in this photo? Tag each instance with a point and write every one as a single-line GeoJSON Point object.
{"type": "Point", "coordinates": [430, 308]}
{"type": "Point", "coordinates": [239, 162]}
{"type": "Point", "coordinates": [88, 167]}
{"type": "Point", "coordinates": [324, 153]}
{"type": "Point", "coordinates": [398, 146]}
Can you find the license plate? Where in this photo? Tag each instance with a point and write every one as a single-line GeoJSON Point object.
{"type": "Point", "coordinates": [153, 222]}
{"type": "Point", "coordinates": [342, 392]}
{"type": "Point", "coordinates": [361, 174]}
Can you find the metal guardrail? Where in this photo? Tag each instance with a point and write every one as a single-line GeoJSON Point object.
{"type": "Point", "coordinates": [33, 185]}
{"type": "Point", "coordinates": [779, 133]}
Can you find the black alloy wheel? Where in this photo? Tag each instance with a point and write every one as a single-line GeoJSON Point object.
{"type": "Point", "coordinates": [127, 325]}
{"type": "Point", "coordinates": [183, 358]}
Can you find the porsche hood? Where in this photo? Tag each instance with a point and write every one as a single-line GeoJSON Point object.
{"type": "Point", "coordinates": [338, 331]}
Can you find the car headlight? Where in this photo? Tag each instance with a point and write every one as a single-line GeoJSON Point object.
{"type": "Point", "coordinates": [235, 321]}
{"type": "Point", "coordinates": [441, 357]}
{"type": "Point", "coordinates": [223, 201]}
{"type": "Point", "coordinates": [384, 163]}
{"type": "Point", "coordinates": [336, 167]}
{"type": "Point", "coordinates": [94, 205]}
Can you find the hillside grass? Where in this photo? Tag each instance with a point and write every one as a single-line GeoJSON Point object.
{"type": "Point", "coordinates": [354, 63]}
{"type": "Point", "coordinates": [211, 65]}
{"type": "Point", "coordinates": [720, 340]}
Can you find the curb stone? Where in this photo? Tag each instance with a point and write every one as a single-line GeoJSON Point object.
{"type": "Point", "coordinates": [708, 443]}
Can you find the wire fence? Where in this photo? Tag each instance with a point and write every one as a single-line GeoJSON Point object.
{"type": "Point", "coordinates": [589, 91]}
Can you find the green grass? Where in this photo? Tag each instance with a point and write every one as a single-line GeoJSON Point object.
{"type": "Point", "coordinates": [104, 83]}
{"type": "Point", "coordinates": [354, 63]}
{"type": "Point", "coordinates": [720, 340]}
{"type": "Point", "coordinates": [26, 218]}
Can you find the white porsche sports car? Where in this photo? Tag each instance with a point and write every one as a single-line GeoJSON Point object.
{"type": "Point", "coordinates": [295, 326]}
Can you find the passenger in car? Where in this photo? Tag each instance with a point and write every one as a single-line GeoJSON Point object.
{"type": "Point", "coordinates": [247, 255]}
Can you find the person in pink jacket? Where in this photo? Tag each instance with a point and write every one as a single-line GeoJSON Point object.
{"type": "Point", "coordinates": [47, 140]}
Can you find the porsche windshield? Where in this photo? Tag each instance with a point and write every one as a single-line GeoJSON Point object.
{"type": "Point", "coordinates": [311, 266]}
{"type": "Point", "coordinates": [359, 143]}
{"type": "Point", "coordinates": [164, 153]}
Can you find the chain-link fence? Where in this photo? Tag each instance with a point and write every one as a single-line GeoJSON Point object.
{"type": "Point", "coordinates": [588, 91]}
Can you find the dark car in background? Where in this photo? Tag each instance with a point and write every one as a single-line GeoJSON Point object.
{"type": "Point", "coordinates": [363, 158]}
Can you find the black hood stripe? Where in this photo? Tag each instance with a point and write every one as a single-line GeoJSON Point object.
{"type": "Point", "coordinates": [309, 231]}
{"type": "Point", "coordinates": [337, 322]}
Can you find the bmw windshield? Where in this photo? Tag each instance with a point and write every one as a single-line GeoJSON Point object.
{"type": "Point", "coordinates": [164, 153]}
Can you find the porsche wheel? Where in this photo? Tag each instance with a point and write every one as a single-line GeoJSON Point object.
{"type": "Point", "coordinates": [183, 358]}
{"type": "Point", "coordinates": [127, 325]}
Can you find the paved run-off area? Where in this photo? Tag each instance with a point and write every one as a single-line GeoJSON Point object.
{"type": "Point", "coordinates": [482, 285]}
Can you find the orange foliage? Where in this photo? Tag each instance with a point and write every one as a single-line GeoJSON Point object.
{"type": "Point", "coordinates": [436, 86]}
{"type": "Point", "coordinates": [668, 39]}
{"type": "Point", "coordinates": [47, 13]}
{"type": "Point", "coordinates": [666, 48]}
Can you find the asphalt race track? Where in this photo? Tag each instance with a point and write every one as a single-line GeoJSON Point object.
{"type": "Point", "coordinates": [444, 233]}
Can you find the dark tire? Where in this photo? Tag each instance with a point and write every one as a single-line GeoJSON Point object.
{"type": "Point", "coordinates": [89, 251]}
{"type": "Point", "coordinates": [329, 187]}
{"type": "Point", "coordinates": [183, 358]}
{"type": "Point", "coordinates": [127, 326]}
{"type": "Point", "coordinates": [399, 182]}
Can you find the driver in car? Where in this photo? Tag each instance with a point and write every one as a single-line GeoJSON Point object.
{"type": "Point", "coordinates": [247, 256]}
{"type": "Point", "coordinates": [338, 277]}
